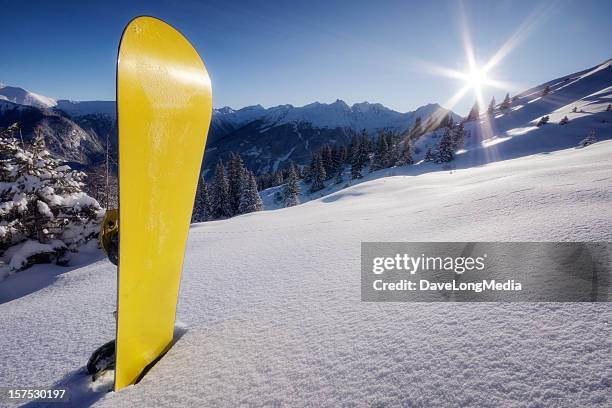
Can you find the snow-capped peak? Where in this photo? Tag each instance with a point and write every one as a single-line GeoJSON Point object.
{"type": "Point", "coordinates": [338, 114]}
{"type": "Point", "coordinates": [25, 97]}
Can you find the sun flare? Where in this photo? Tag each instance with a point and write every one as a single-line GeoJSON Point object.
{"type": "Point", "coordinates": [476, 78]}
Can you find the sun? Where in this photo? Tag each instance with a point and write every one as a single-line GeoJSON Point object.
{"type": "Point", "coordinates": [476, 77]}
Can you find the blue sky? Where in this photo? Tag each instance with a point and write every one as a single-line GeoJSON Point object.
{"type": "Point", "coordinates": [276, 52]}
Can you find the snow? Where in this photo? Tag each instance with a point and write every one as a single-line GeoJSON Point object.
{"type": "Point", "coordinates": [43, 209]}
{"type": "Point", "coordinates": [79, 108]}
{"type": "Point", "coordinates": [270, 313]}
{"type": "Point", "coordinates": [23, 251]}
{"type": "Point", "coordinates": [240, 117]}
{"type": "Point", "coordinates": [282, 158]}
{"type": "Point", "coordinates": [364, 115]}
{"type": "Point", "coordinates": [24, 97]}
{"type": "Point", "coordinates": [270, 302]}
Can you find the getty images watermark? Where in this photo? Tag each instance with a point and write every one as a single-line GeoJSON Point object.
{"type": "Point", "coordinates": [486, 271]}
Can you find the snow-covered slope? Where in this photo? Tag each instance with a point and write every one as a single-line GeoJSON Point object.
{"type": "Point", "coordinates": [584, 97]}
{"type": "Point", "coordinates": [514, 132]}
{"type": "Point", "coordinates": [270, 311]}
{"type": "Point", "coordinates": [25, 97]}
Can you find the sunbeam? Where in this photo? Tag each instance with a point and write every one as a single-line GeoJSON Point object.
{"type": "Point", "coordinates": [478, 77]}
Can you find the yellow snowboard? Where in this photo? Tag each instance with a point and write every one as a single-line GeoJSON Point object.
{"type": "Point", "coordinates": [164, 107]}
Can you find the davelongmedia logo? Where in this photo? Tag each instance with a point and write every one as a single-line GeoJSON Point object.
{"type": "Point", "coordinates": [424, 285]}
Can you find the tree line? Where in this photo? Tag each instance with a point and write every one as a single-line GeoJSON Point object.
{"type": "Point", "coordinates": [232, 191]}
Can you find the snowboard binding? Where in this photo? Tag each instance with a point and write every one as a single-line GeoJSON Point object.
{"type": "Point", "coordinates": [109, 235]}
{"type": "Point", "coordinates": [102, 360]}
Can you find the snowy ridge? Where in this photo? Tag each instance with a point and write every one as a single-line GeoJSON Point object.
{"type": "Point", "coordinates": [24, 97]}
{"type": "Point", "coordinates": [271, 138]}
{"type": "Point", "coordinates": [364, 115]}
{"type": "Point", "coordinates": [80, 108]}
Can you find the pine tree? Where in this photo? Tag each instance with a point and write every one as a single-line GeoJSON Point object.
{"type": "Point", "coordinates": [429, 155]}
{"type": "Point", "coordinates": [250, 201]}
{"type": "Point", "coordinates": [310, 169]}
{"type": "Point", "coordinates": [338, 179]}
{"type": "Point", "coordinates": [318, 175]}
{"type": "Point", "coordinates": [201, 206]}
{"type": "Point", "coordinates": [589, 140]}
{"type": "Point", "coordinates": [43, 209]}
{"type": "Point", "coordinates": [298, 171]}
{"type": "Point", "coordinates": [337, 160]}
{"type": "Point", "coordinates": [278, 178]}
{"type": "Point", "coordinates": [395, 151]}
{"type": "Point", "coordinates": [458, 136]}
{"type": "Point", "coordinates": [219, 194]}
{"type": "Point", "coordinates": [391, 153]}
{"type": "Point", "coordinates": [365, 148]}
{"type": "Point", "coordinates": [474, 113]}
{"type": "Point", "coordinates": [235, 174]}
{"type": "Point", "coordinates": [445, 148]}
{"type": "Point", "coordinates": [291, 189]}
{"type": "Point", "coordinates": [344, 155]}
{"type": "Point", "coordinates": [405, 156]}
{"type": "Point", "coordinates": [356, 159]}
{"type": "Point", "coordinates": [380, 159]}
{"type": "Point", "coordinates": [506, 103]}
{"type": "Point", "coordinates": [544, 120]}
{"type": "Point", "coordinates": [327, 159]}
{"type": "Point", "coordinates": [491, 107]}
{"type": "Point", "coordinates": [447, 121]}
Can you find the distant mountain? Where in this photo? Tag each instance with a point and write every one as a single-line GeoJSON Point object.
{"type": "Point", "coordinates": [271, 138]}
{"type": "Point", "coordinates": [25, 97]}
{"type": "Point", "coordinates": [81, 108]}
{"type": "Point", "coordinates": [267, 138]}
{"type": "Point", "coordinates": [369, 116]}
{"type": "Point", "coordinates": [64, 137]}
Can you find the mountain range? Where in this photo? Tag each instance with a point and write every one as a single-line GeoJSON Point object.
{"type": "Point", "coordinates": [267, 138]}
{"type": "Point", "coordinates": [271, 138]}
